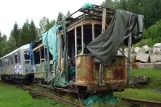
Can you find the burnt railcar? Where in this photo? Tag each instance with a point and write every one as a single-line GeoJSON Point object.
{"type": "Point", "coordinates": [81, 51]}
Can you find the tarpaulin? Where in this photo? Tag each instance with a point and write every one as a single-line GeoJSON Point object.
{"type": "Point", "coordinates": [109, 98]}
{"type": "Point", "coordinates": [87, 5]}
{"type": "Point", "coordinates": [31, 53]}
{"type": "Point", "coordinates": [54, 75]}
{"type": "Point", "coordinates": [59, 80]}
{"type": "Point", "coordinates": [50, 39]}
{"type": "Point", "coordinates": [124, 23]}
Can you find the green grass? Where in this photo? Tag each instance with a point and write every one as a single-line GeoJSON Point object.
{"type": "Point", "coordinates": [154, 74]}
{"type": "Point", "coordinates": [147, 92]}
{"type": "Point", "coordinates": [102, 104]}
{"type": "Point", "coordinates": [142, 94]}
{"type": "Point", "coordinates": [11, 96]}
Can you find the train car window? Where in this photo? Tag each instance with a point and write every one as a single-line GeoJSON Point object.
{"type": "Point", "coordinates": [45, 55]}
{"type": "Point", "coordinates": [37, 57]}
{"type": "Point", "coordinates": [97, 30]}
{"type": "Point", "coordinates": [26, 55]}
{"type": "Point", "coordinates": [42, 52]}
{"type": "Point", "coordinates": [6, 62]}
{"type": "Point", "coordinates": [0, 63]}
{"type": "Point", "coordinates": [16, 59]}
{"type": "Point", "coordinates": [11, 59]}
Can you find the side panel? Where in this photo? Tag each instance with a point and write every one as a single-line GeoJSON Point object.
{"type": "Point", "coordinates": [88, 71]}
{"type": "Point", "coordinates": [18, 65]}
{"type": "Point", "coordinates": [25, 61]}
{"type": "Point", "coordinates": [39, 71]}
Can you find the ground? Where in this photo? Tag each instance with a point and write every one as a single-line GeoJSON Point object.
{"type": "Point", "coordinates": [10, 96]}
{"type": "Point", "coordinates": [151, 91]}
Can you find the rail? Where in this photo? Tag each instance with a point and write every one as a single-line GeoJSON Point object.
{"type": "Point", "coordinates": [52, 96]}
{"type": "Point", "coordinates": [142, 102]}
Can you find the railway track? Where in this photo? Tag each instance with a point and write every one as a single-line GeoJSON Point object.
{"type": "Point", "coordinates": [142, 102]}
{"type": "Point", "coordinates": [41, 94]}
{"type": "Point", "coordinates": [131, 101]}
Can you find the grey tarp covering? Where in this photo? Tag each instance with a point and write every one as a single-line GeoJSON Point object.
{"type": "Point", "coordinates": [124, 23]}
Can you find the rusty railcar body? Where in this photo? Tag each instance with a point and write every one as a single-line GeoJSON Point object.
{"type": "Point", "coordinates": [89, 73]}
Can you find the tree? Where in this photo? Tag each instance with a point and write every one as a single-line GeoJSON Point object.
{"type": "Point", "coordinates": [4, 38]}
{"type": "Point", "coordinates": [28, 32]}
{"type": "Point", "coordinates": [1, 44]}
{"type": "Point", "coordinates": [45, 24]}
{"type": "Point", "coordinates": [25, 38]}
{"type": "Point", "coordinates": [68, 13]}
{"type": "Point", "coordinates": [109, 3]}
{"type": "Point", "coordinates": [32, 31]}
{"type": "Point", "coordinates": [11, 44]}
{"type": "Point", "coordinates": [135, 6]}
{"type": "Point", "coordinates": [16, 34]}
{"type": "Point", "coordinates": [152, 12]}
{"type": "Point", "coordinates": [149, 8]}
{"type": "Point", "coordinates": [0, 36]}
{"type": "Point", "coordinates": [59, 18]}
{"type": "Point", "coordinates": [4, 45]}
{"type": "Point", "coordinates": [49, 24]}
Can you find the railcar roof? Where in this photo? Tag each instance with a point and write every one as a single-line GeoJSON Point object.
{"type": "Point", "coordinates": [20, 48]}
{"type": "Point", "coordinates": [93, 12]}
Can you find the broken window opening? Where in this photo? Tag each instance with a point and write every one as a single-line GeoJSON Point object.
{"type": "Point", "coordinates": [71, 47]}
{"type": "Point", "coordinates": [16, 58]}
{"type": "Point", "coordinates": [37, 57]}
{"type": "Point", "coordinates": [26, 55]}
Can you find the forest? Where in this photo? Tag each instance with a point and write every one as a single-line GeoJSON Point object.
{"type": "Point", "coordinates": [29, 31]}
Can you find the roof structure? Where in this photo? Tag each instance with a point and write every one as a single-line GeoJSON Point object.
{"type": "Point", "coordinates": [20, 48]}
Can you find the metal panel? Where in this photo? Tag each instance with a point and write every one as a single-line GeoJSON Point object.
{"type": "Point", "coordinates": [87, 71]}
{"type": "Point", "coordinates": [40, 75]}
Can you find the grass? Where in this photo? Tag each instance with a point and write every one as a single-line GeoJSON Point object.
{"type": "Point", "coordinates": [154, 74]}
{"type": "Point", "coordinates": [142, 94]}
{"type": "Point", "coordinates": [102, 104]}
{"type": "Point", "coordinates": [11, 96]}
{"type": "Point", "coordinates": [147, 92]}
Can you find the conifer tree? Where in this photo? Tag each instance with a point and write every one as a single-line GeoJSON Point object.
{"type": "Point", "coordinates": [32, 31]}
{"type": "Point", "coordinates": [25, 38]}
{"type": "Point", "coordinates": [16, 34]}
{"type": "Point", "coordinates": [59, 18]}
{"type": "Point", "coordinates": [68, 13]}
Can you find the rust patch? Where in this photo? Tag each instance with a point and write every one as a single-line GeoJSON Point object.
{"type": "Point", "coordinates": [87, 71]}
{"type": "Point", "coordinates": [85, 65]}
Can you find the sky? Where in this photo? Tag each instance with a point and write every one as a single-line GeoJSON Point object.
{"type": "Point", "coordinates": [12, 11]}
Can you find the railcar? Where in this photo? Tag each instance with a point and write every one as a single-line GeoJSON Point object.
{"type": "Point", "coordinates": [80, 52]}
{"type": "Point", "coordinates": [15, 66]}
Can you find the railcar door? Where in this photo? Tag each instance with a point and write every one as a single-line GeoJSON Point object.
{"type": "Point", "coordinates": [1, 67]}
{"type": "Point", "coordinates": [17, 69]}
{"type": "Point", "coordinates": [27, 64]}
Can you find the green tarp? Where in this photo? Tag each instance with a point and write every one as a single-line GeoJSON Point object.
{"type": "Point", "coordinates": [59, 79]}
{"type": "Point", "coordinates": [108, 98]}
{"type": "Point", "coordinates": [87, 5]}
{"type": "Point", "coordinates": [54, 75]}
{"type": "Point", "coordinates": [50, 39]}
{"type": "Point", "coordinates": [124, 23]}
